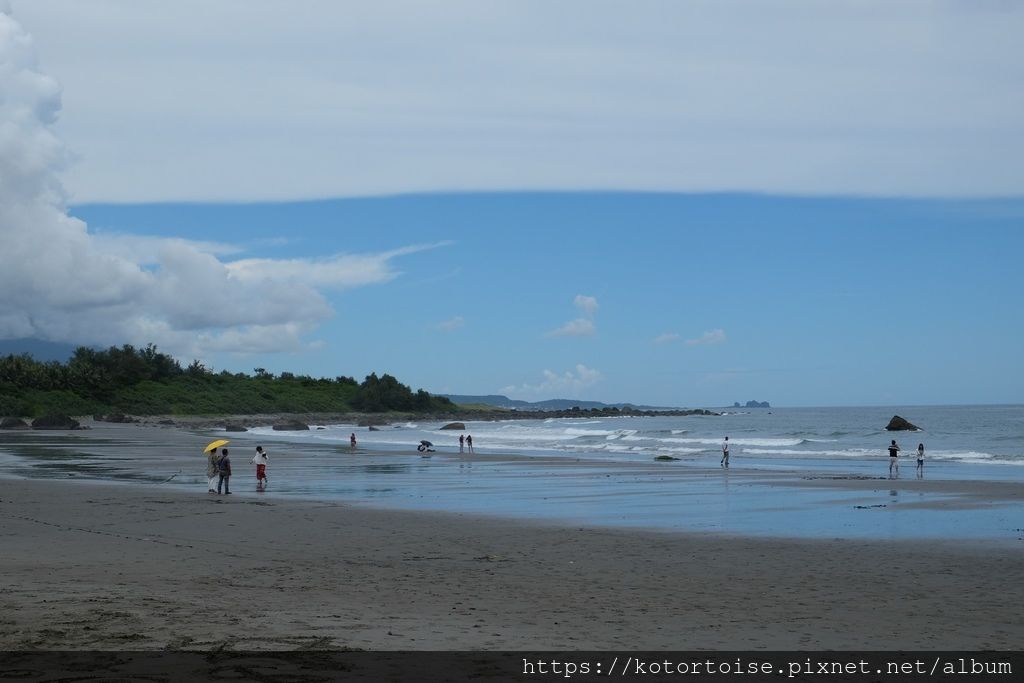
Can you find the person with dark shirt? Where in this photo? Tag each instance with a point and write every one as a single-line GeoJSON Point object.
{"type": "Point", "coordinates": [224, 470]}
{"type": "Point", "coordinates": [894, 452]}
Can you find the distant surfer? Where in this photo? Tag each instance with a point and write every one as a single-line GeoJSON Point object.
{"type": "Point", "coordinates": [894, 453]}
{"type": "Point", "coordinates": [725, 453]}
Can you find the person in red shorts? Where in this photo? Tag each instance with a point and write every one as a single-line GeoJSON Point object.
{"type": "Point", "coordinates": [260, 459]}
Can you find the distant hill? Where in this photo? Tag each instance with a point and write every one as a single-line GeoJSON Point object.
{"type": "Point", "coordinates": [42, 351]}
{"type": "Point", "coordinates": [499, 401]}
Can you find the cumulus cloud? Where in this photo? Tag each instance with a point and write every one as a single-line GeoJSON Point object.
{"type": "Point", "coordinates": [587, 304]}
{"type": "Point", "coordinates": [709, 338]}
{"type": "Point", "coordinates": [579, 327]}
{"type": "Point", "coordinates": [666, 338]}
{"type": "Point", "coordinates": [554, 385]}
{"type": "Point", "coordinates": [452, 324]}
{"type": "Point", "coordinates": [62, 283]}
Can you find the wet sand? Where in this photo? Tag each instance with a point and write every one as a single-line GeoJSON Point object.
{"type": "Point", "coordinates": [111, 567]}
{"type": "Point", "coordinates": [140, 565]}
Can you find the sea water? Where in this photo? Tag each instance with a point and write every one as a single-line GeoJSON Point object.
{"type": "Point", "coordinates": [604, 471]}
{"type": "Point", "coordinates": [773, 437]}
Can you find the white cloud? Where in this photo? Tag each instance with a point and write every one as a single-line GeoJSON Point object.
{"type": "Point", "coordinates": [341, 271]}
{"type": "Point", "coordinates": [62, 283]}
{"type": "Point", "coordinates": [783, 96]}
{"type": "Point", "coordinates": [666, 338]}
{"type": "Point", "coordinates": [580, 327]}
{"type": "Point", "coordinates": [587, 304]}
{"type": "Point", "coordinates": [569, 384]}
{"type": "Point", "coordinates": [144, 249]}
{"type": "Point", "coordinates": [451, 324]}
{"type": "Point", "coordinates": [709, 338]}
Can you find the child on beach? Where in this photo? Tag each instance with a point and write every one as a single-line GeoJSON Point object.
{"type": "Point", "coordinates": [261, 459]}
{"type": "Point", "coordinates": [920, 460]}
{"type": "Point", "coordinates": [224, 472]}
{"type": "Point", "coordinates": [352, 440]}
{"type": "Point", "coordinates": [725, 453]}
{"type": "Point", "coordinates": [894, 452]}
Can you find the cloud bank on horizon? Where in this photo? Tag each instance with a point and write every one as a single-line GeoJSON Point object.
{"type": "Point", "coordinates": [259, 100]}
{"type": "Point", "coordinates": [60, 282]}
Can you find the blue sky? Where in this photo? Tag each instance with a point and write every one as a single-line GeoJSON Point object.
{"type": "Point", "coordinates": [675, 203]}
{"type": "Point", "coordinates": [700, 299]}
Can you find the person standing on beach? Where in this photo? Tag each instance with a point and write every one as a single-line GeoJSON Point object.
{"type": "Point", "coordinates": [920, 460]}
{"type": "Point", "coordinates": [352, 440]}
{"type": "Point", "coordinates": [211, 470]}
{"type": "Point", "coordinates": [469, 442]}
{"type": "Point", "coordinates": [224, 472]}
{"type": "Point", "coordinates": [462, 441]}
{"type": "Point", "coordinates": [261, 459]}
{"type": "Point", "coordinates": [894, 453]}
{"type": "Point", "coordinates": [725, 453]}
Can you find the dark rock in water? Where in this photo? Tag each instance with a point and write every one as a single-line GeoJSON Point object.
{"type": "Point", "coordinates": [664, 457]}
{"type": "Point", "coordinates": [373, 429]}
{"type": "Point", "coordinates": [54, 422]}
{"type": "Point", "coordinates": [454, 425]}
{"type": "Point", "coordinates": [166, 422]}
{"type": "Point", "coordinates": [13, 423]}
{"type": "Point", "coordinates": [898, 424]}
{"type": "Point", "coordinates": [291, 426]}
{"type": "Point", "coordinates": [319, 428]}
{"type": "Point", "coordinates": [234, 427]}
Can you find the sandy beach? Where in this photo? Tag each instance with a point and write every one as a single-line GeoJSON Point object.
{"type": "Point", "coordinates": [113, 567]}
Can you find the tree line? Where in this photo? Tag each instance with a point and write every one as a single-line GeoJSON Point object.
{"type": "Point", "coordinates": [145, 381]}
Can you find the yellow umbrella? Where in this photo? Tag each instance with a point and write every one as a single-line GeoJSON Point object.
{"type": "Point", "coordinates": [215, 445]}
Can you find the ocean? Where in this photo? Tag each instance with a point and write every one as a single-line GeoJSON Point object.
{"type": "Point", "coordinates": [772, 438]}
{"type": "Point", "coordinates": [795, 472]}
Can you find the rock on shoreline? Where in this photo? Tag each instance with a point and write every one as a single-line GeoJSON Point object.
{"type": "Point", "coordinates": [898, 424]}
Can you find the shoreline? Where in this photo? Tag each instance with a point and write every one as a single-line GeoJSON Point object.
{"type": "Point", "coordinates": [852, 501]}
{"type": "Point", "coordinates": [144, 569]}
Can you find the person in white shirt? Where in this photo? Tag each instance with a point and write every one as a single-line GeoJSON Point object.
{"type": "Point", "coordinates": [725, 453]}
{"type": "Point", "coordinates": [261, 460]}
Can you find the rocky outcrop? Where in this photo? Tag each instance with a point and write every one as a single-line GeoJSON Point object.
{"type": "Point", "coordinates": [898, 424]}
{"type": "Point", "coordinates": [373, 429]}
{"type": "Point", "coordinates": [13, 423]}
{"type": "Point", "coordinates": [234, 427]}
{"type": "Point", "coordinates": [291, 426]}
{"type": "Point", "coordinates": [454, 425]}
{"type": "Point", "coordinates": [54, 422]}
{"type": "Point", "coordinates": [117, 418]}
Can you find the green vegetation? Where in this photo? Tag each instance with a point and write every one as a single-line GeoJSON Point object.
{"type": "Point", "coordinates": [146, 382]}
